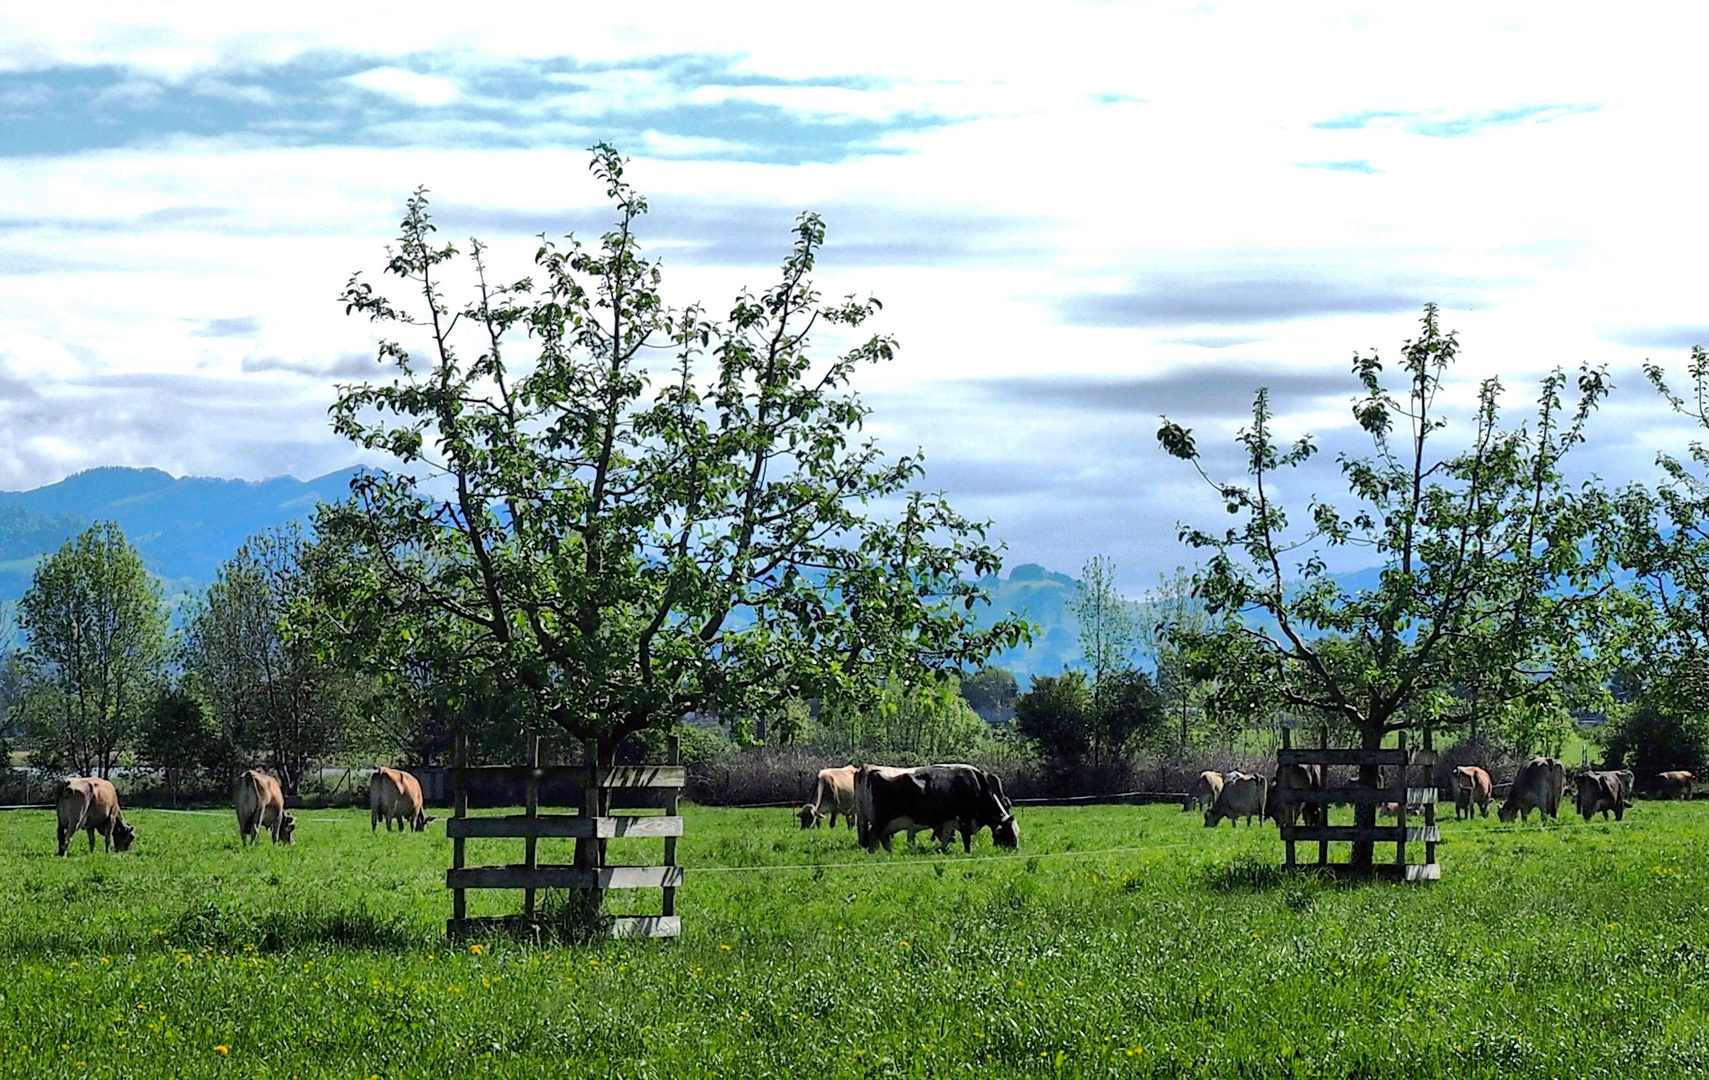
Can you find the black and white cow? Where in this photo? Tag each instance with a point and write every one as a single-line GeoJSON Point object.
{"type": "Point", "coordinates": [942, 798]}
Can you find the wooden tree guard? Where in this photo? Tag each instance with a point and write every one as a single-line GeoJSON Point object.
{"type": "Point", "coordinates": [590, 828]}
{"type": "Point", "coordinates": [1402, 793]}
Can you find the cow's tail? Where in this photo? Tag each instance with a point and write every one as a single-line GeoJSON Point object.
{"type": "Point", "coordinates": [248, 783]}
{"type": "Point", "coordinates": [863, 806]}
{"type": "Point", "coordinates": [60, 791]}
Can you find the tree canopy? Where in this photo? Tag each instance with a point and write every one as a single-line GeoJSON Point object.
{"type": "Point", "coordinates": [633, 511]}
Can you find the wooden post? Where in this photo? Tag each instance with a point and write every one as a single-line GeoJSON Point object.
{"type": "Point", "coordinates": [459, 809]}
{"type": "Point", "coordinates": [531, 809]}
{"type": "Point", "coordinates": [1322, 809]}
{"type": "Point", "coordinates": [673, 756]}
{"type": "Point", "coordinates": [1430, 807]}
{"type": "Point", "coordinates": [1400, 818]}
{"type": "Point", "coordinates": [1287, 823]}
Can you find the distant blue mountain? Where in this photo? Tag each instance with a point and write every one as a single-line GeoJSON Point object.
{"type": "Point", "coordinates": [184, 527]}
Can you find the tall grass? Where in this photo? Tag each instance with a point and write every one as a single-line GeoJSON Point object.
{"type": "Point", "coordinates": [1120, 941]}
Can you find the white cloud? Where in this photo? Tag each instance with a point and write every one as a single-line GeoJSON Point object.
{"type": "Point", "coordinates": [408, 86]}
{"type": "Point", "coordinates": [111, 260]}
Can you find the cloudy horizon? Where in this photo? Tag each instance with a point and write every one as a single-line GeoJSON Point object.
{"type": "Point", "coordinates": [1075, 224]}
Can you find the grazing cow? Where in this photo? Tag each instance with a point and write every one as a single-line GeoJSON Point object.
{"type": "Point", "coordinates": [1242, 796]}
{"type": "Point", "coordinates": [1472, 788]}
{"type": "Point", "coordinates": [261, 805]}
{"type": "Point", "coordinates": [90, 803]}
{"type": "Point", "coordinates": [1538, 784]}
{"type": "Point", "coordinates": [833, 794]}
{"type": "Point", "coordinates": [395, 795]}
{"type": "Point", "coordinates": [1603, 791]}
{"type": "Point", "coordinates": [1279, 801]}
{"type": "Point", "coordinates": [942, 798]}
{"type": "Point", "coordinates": [1206, 787]}
{"type": "Point", "coordinates": [1675, 784]}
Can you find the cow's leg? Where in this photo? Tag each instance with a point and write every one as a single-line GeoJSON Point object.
{"type": "Point", "coordinates": [91, 831]}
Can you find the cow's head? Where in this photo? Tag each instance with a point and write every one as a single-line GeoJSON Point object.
{"type": "Point", "coordinates": [1508, 810]}
{"type": "Point", "coordinates": [124, 835]}
{"type": "Point", "coordinates": [809, 816]}
{"type": "Point", "coordinates": [421, 822]}
{"type": "Point", "coordinates": [1007, 833]}
{"type": "Point", "coordinates": [287, 828]}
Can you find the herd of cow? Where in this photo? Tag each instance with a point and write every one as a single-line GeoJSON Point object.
{"type": "Point", "coordinates": [1539, 785]}
{"type": "Point", "coordinates": [91, 804]}
{"type": "Point", "coordinates": [879, 801]}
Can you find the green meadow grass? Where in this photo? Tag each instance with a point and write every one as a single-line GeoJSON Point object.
{"type": "Point", "coordinates": [1545, 951]}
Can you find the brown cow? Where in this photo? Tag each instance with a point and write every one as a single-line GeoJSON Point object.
{"type": "Point", "coordinates": [833, 794]}
{"type": "Point", "coordinates": [1675, 784]}
{"type": "Point", "coordinates": [1206, 787]}
{"type": "Point", "coordinates": [395, 795]}
{"type": "Point", "coordinates": [1538, 783]}
{"type": "Point", "coordinates": [1472, 788]}
{"type": "Point", "coordinates": [91, 804]}
{"type": "Point", "coordinates": [261, 805]}
{"type": "Point", "coordinates": [1600, 791]}
{"type": "Point", "coordinates": [1242, 796]}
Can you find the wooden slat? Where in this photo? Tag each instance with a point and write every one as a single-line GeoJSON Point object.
{"type": "Point", "coordinates": [621, 776]}
{"type": "Point", "coordinates": [564, 877]}
{"type": "Point", "coordinates": [630, 926]}
{"type": "Point", "coordinates": [1423, 872]}
{"type": "Point", "coordinates": [1412, 796]}
{"type": "Point", "coordinates": [1384, 834]}
{"type": "Point", "coordinates": [1310, 756]}
{"type": "Point", "coordinates": [646, 926]}
{"type": "Point", "coordinates": [564, 826]}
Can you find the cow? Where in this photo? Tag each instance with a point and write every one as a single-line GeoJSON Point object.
{"type": "Point", "coordinates": [1204, 790]}
{"type": "Point", "coordinates": [261, 805]}
{"type": "Point", "coordinates": [1603, 791]}
{"type": "Point", "coordinates": [91, 804]}
{"type": "Point", "coordinates": [941, 798]}
{"type": "Point", "coordinates": [833, 794]}
{"type": "Point", "coordinates": [395, 795]}
{"type": "Point", "coordinates": [1472, 788]}
{"type": "Point", "coordinates": [1538, 783]}
{"type": "Point", "coordinates": [1675, 784]}
{"type": "Point", "coordinates": [1279, 801]}
{"type": "Point", "coordinates": [1242, 796]}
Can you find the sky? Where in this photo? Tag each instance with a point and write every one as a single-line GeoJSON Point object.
{"type": "Point", "coordinates": [1076, 220]}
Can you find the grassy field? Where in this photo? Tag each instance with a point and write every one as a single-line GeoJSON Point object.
{"type": "Point", "coordinates": [1122, 941]}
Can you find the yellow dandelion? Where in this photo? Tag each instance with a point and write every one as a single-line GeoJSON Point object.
{"type": "Point", "coordinates": [476, 949]}
{"type": "Point", "coordinates": [723, 948]}
{"type": "Point", "coordinates": [222, 1049]}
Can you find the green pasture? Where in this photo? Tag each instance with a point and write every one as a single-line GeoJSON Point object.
{"type": "Point", "coordinates": [1122, 941]}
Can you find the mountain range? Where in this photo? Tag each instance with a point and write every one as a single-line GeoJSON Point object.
{"type": "Point", "coordinates": [185, 527]}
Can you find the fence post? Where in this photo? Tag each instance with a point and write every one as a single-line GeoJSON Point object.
{"type": "Point", "coordinates": [673, 756]}
{"type": "Point", "coordinates": [459, 809]}
{"type": "Point", "coordinates": [531, 810]}
{"type": "Point", "coordinates": [1286, 822]}
{"type": "Point", "coordinates": [1400, 818]}
{"type": "Point", "coordinates": [1430, 807]}
{"type": "Point", "coordinates": [1321, 812]}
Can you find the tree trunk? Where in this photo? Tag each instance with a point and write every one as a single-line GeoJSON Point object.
{"type": "Point", "coordinates": [1365, 813]}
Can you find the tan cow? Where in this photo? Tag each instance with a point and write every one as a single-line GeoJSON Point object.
{"type": "Point", "coordinates": [395, 795]}
{"type": "Point", "coordinates": [1675, 784]}
{"type": "Point", "coordinates": [1202, 792]}
{"type": "Point", "coordinates": [1472, 788]}
{"type": "Point", "coordinates": [261, 805]}
{"type": "Point", "coordinates": [1242, 796]}
{"type": "Point", "coordinates": [91, 804]}
{"type": "Point", "coordinates": [833, 794]}
{"type": "Point", "coordinates": [1538, 784]}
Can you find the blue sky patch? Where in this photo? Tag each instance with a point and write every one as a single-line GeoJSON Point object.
{"type": "Point", "coordinates": [340, 99]}
{"type": "Point", "coordinates": [1359, 165]}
